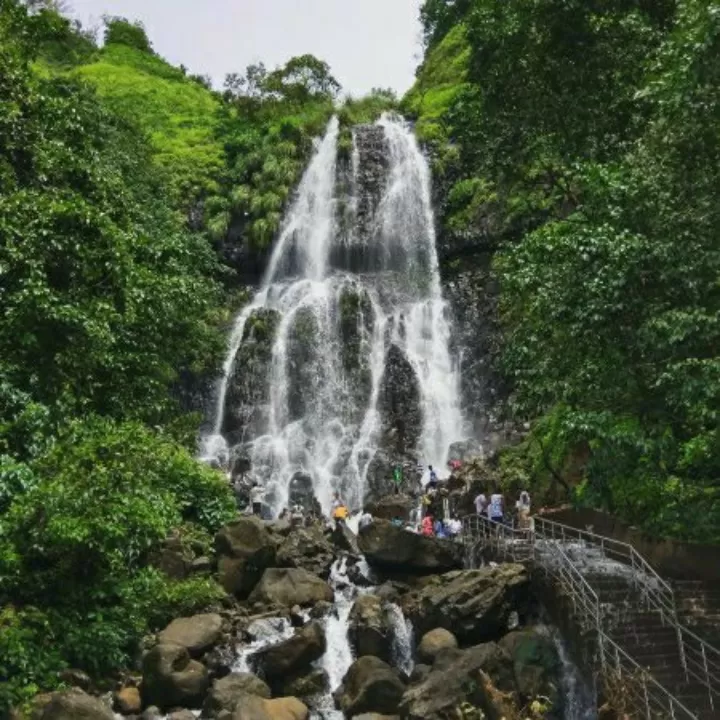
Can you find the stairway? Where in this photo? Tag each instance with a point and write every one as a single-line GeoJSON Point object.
{"type": "Point", "coordinates": [649, 639]}
{"type": "Point", "coordinates": [698, 607]}
{"type": "Point", "coordinates": [641, 638]}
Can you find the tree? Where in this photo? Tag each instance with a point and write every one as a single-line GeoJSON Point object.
{"type": "Point", "coordinates": [123, 32]}
{"type": "Point", "coordinates": [302, 79]}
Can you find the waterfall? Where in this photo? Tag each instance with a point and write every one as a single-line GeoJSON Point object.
{"type": "Point", "coordinates": [402, 640]}
{"type": "Point", "coordinates": [578, 700]}
{"type": "Point", "coordinates": [341, 362]}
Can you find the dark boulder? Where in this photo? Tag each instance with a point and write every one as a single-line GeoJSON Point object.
{"type": "Point", "coordinates": [458, 677]}
{"type": "Point", "coordinates": [370, 685]}
{"type": "Point", "coordinates": [226, 692]}
{"type": "Point", "coordinates": [287, 587]}
{"type": "Point", "coordinates": [251, 707]}
{"type": "Point", "coordinates": [369, 629]}
{"type": "Point", "coordinates": [308, 549]}
{"type": "Point", "coordinates": [475, 605]}
{"type": "Point", "coordinates": [537, 666]}
{"type": "Point", "coordinates": [245, 547]}
{"type": "Point", "coordinates": [197, 633]}
{"type": "Point", "coordinates": [434, 642]}
{"type": "Point", "coordinates": [392, 506]}
{"type": "Point", "coordinates": [394, 548]}
{"type": "Point", "coordinates": [291, 657]}
{"type": "Point", "coordinates": [171, 679]}
{"type": "Point", "coordinates": [73, 704]}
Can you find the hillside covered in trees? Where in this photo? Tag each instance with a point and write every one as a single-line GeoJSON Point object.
{"type": "Point", "coordinates": [577, 144]}
{"type": "Point", "coordinates": [122, 179]}
{"type": "Point", "coordinates": [575, 150]}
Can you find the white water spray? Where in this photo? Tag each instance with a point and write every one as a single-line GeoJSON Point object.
{"type": "Point", "coordinates": [337, 321]}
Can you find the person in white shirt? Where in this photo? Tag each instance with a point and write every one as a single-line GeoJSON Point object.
{"type": "Point", "coordinates": [454, 526]}
{"type": "Point", "coordinates": [523, 509]}
{"type": "Point", "coordinates": [480, 503]}
{"type": "Point", "coordinates": [365, 519]}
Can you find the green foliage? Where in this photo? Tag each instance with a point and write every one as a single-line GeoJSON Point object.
{"type": "Point", "coordinates": [108, 302]}
{"type": "Point", "coordinates": [121, 31]}
{"type": "Point", "coordinates": [105, 295]}
{"type": "Point", "coordinates": [178, 115]}
{"type": "Point", "coordinates": [585, 142]}
{"type": "Point", "coordinates": [440, 79]}
{"type": "Point", "coordinates": [74, 544]}
{"type": "Point", "coordinates": [366, 109]}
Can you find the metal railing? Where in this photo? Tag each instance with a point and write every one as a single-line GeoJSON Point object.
{"type": "Point", "coordinates": [623, 677]}
{"type": "Point", "coordinates": [700, 661]}
{"type": "Point", "coordinates": [656, 592]}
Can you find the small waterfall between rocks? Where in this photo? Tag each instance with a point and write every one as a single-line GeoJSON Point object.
{"type": "Point", "coordinates": [340, 366]}
{"type": "Point", "coordinates": [579, 699]}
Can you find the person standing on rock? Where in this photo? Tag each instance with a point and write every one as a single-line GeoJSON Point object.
{"type": "Point", "coordinates": [427, 526]}
{"type": "Point", "coordinates": [523, 510]}
{"type": "Point", "coordinates": [365, 520]}
{"type": "Point", "coordinates": [481, 503]}
{"type": "Point", "coordinates": [496, 507]}
{"type": "Point", "coordinates": [397, 478]}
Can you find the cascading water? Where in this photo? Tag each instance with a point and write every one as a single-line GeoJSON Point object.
{"type": "Point", "coordinates": [344, 312]}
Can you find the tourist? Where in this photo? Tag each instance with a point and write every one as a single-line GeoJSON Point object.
{"type": "Point", "coordinates": [336, 501]}
{"type": "Point", "coordinates": [397, 478]}
{"type": "Point", "coordinates": [297, 516]}
{"type": "Point", "coordinates": [523, 510]}
{"type": "Point", "coordinates": [284, 515]}
{"type": "Point", "coordinates": [454, 526]}
{"type": "Point", "coordinates": [496, 507]}
{"type": "Point", "coordinates": [427, 526]}
{"type": "Point", "coordinates": [256, 497]}
{"type": "Point", "coordinates": [481, 503]}
{"type": "Point", "coordinates": [439, 529]}
{"type": "Point", "coordinates": [365, 520]}
{"type": "Point", "coordinates": [340, 511]}
{"type": "Point", "coordinates": [433, 477]}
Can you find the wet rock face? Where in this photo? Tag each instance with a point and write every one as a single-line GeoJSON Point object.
{"type": "Point", "coordinates": [401, 417]}
{"type": "Point", "coordinates": [357, 220]}
{"type": "Point", "coordinates": [481, 676]}
{"type": "Point", "coordinates": [472, 296]}
{"type": "Point", "coordinates": [302, 366]}
{"type": "Point", "coordinates": [246, 399]}
{"type": "Point", "coordinates": [369, 631]}
{"type": "Point", "coordinates": [393, 548]}
{"type": "Point", "coordinates": [400, 404]}
{"type": "Point", "coordinates": [356, 321]}
{"type": "Point", "coordinates": [475, 605]}
{"type": "Point", "coordinates": [244, 548]}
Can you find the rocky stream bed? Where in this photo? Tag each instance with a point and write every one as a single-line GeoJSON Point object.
{"type": "Point", "coordinates": [325, 624]}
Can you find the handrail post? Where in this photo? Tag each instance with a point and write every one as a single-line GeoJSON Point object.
{"type": "Point", "coordinates": [707, 677]}
{"type": "Point", "coordinates": [681, 647]}
{"type": "Point", "coordinates": [647, 699]}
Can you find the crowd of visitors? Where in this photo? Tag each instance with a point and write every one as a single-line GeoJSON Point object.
{"type": "Point", "coordinates": [432, 517]}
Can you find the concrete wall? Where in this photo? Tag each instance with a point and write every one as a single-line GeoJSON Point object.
{"type": "Point", "coordinates": [671, 558]}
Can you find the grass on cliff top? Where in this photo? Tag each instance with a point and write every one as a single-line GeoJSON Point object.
{"type": "Point", "coordinates": [178, 114]}
{"type": "Point", "coordinates": [440, 78]}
